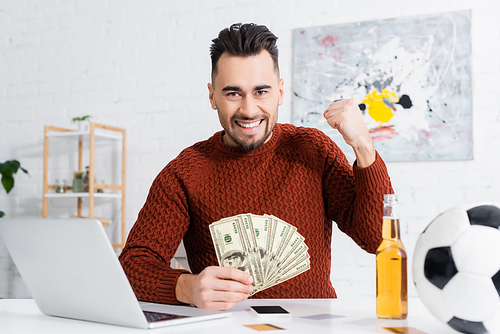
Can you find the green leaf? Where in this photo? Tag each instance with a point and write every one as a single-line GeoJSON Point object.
{"type": "Point", "coordinates": [8, 182]}
{"type": "Point", "coordinates": [2, 214]}
{"type": "Point", "coordinates": [7, 173]}
{"type": "Point", "coordinates": [8, 169]}
{"type": "Point", "coordinates": [14, 165]}
{"type": "Point", "coordinates": [4, 166]}
{"type": "Point", "coordinates": [83, 118]}
{"type": "Point", "coordinates": [24, 170]}
{"type": "Point", "coordinates": [10, 166]}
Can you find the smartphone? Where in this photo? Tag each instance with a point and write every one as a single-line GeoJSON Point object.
{"type": "Point", "coordinates": [270, 312]}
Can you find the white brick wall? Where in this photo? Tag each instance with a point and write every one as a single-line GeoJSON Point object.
{"type": "Point", "coordinates": [144, 66]}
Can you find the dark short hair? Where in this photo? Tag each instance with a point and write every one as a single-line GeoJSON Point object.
{"type": "Point", "coordinates": [244, 40]}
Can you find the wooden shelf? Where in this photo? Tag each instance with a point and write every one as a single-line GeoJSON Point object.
{"type": "Point", "coordinates": [114, 191]}
{"type": "Point", "coordinates": [82, 195]}
{"type": "Point", "coordinates": [74, 134]}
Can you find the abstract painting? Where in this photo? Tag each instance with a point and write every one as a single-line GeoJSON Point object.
{"type": "Point", "coordinates": [411, 78]}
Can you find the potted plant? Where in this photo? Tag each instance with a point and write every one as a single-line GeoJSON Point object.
{"type": "Point", "coordinates": [77, 182]}
{"type": "Point", "coordinates": [83, 123]}
{"type": "Point", "coordinates": [8, 169]}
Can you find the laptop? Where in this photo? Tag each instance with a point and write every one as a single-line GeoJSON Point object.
{"type": "Point", "coordinates": [72, 271]}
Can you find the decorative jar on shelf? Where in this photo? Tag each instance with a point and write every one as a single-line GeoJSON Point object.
{"type": "Point", "coordinates": [60, 188]}
{"type": "Point", "coordinates": [77, 182]}
{"type": "Point", "coordinates": [85, 179]}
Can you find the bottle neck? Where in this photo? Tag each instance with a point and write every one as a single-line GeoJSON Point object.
{"type": "Point", "coordinates": [390, 227]}
{"type": "Point", "coordinates": [391, 207]}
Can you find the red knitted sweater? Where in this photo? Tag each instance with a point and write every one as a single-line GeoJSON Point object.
{"type": "Point", "coordinates": [300, 175]}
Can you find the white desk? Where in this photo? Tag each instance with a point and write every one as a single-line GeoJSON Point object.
{"type": "Point", "coordinates": [358, 316]}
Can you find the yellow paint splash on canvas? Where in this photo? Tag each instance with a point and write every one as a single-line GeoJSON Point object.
{"type": "Point", "coordinates": [377, 108]}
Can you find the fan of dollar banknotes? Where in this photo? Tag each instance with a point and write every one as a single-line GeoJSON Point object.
{"type": "Point", "coordinates": [266, 247]}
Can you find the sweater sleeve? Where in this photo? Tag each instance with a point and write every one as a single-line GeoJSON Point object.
{"type": "Point", "coordinates": [354, 199]}
{"type": "Point", "coordinates": [154, 239]}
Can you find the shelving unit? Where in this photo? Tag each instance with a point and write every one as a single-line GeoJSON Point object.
{"type": "Point", "coordinates": [96, 131]}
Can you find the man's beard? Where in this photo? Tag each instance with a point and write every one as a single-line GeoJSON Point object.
{"type": "Point", "coordinates": [251, 144]}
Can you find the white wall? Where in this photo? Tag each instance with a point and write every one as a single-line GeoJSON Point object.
{"type": "Point", "coordinates": [144, 66]}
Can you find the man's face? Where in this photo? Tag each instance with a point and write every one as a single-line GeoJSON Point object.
{"type": "Point", "coordinates": [232, 261]}
{"type": "Point", "coordinates": [246, 93]}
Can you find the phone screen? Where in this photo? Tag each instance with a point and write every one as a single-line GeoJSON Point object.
{"type": "Point", "coordinates": [269, 310]}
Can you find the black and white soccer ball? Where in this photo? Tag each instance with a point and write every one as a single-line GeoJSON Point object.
{"type": "Point", "coordinates": [456, 268]}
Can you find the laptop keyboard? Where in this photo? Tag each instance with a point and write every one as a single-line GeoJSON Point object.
{"type": "Point", "coordinates": [156, 316]}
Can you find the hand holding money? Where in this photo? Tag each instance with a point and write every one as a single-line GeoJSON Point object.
{"type": "Point", "coordinates": [214, 288]}
{"type": "Point", "coordinates": [266, 247]}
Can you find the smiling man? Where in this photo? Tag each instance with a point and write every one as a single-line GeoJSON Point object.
{"type": "Point", "coordinates": [246, 92]}
{"type": "Point", "coordinates": [255, 165]}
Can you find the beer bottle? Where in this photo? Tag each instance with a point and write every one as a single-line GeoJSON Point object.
{"type": "Point", "coordinates": [392, 293]}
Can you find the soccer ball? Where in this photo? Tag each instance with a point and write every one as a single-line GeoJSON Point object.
{"type": "Point", "coordinates": [456, 268]}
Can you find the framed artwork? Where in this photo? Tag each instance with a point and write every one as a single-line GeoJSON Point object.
{"type": "Point", "coordinates": [410, 76]}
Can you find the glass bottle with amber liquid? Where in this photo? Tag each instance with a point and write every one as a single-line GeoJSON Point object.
{"type": "Point", "coordinates": [392, 287]}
